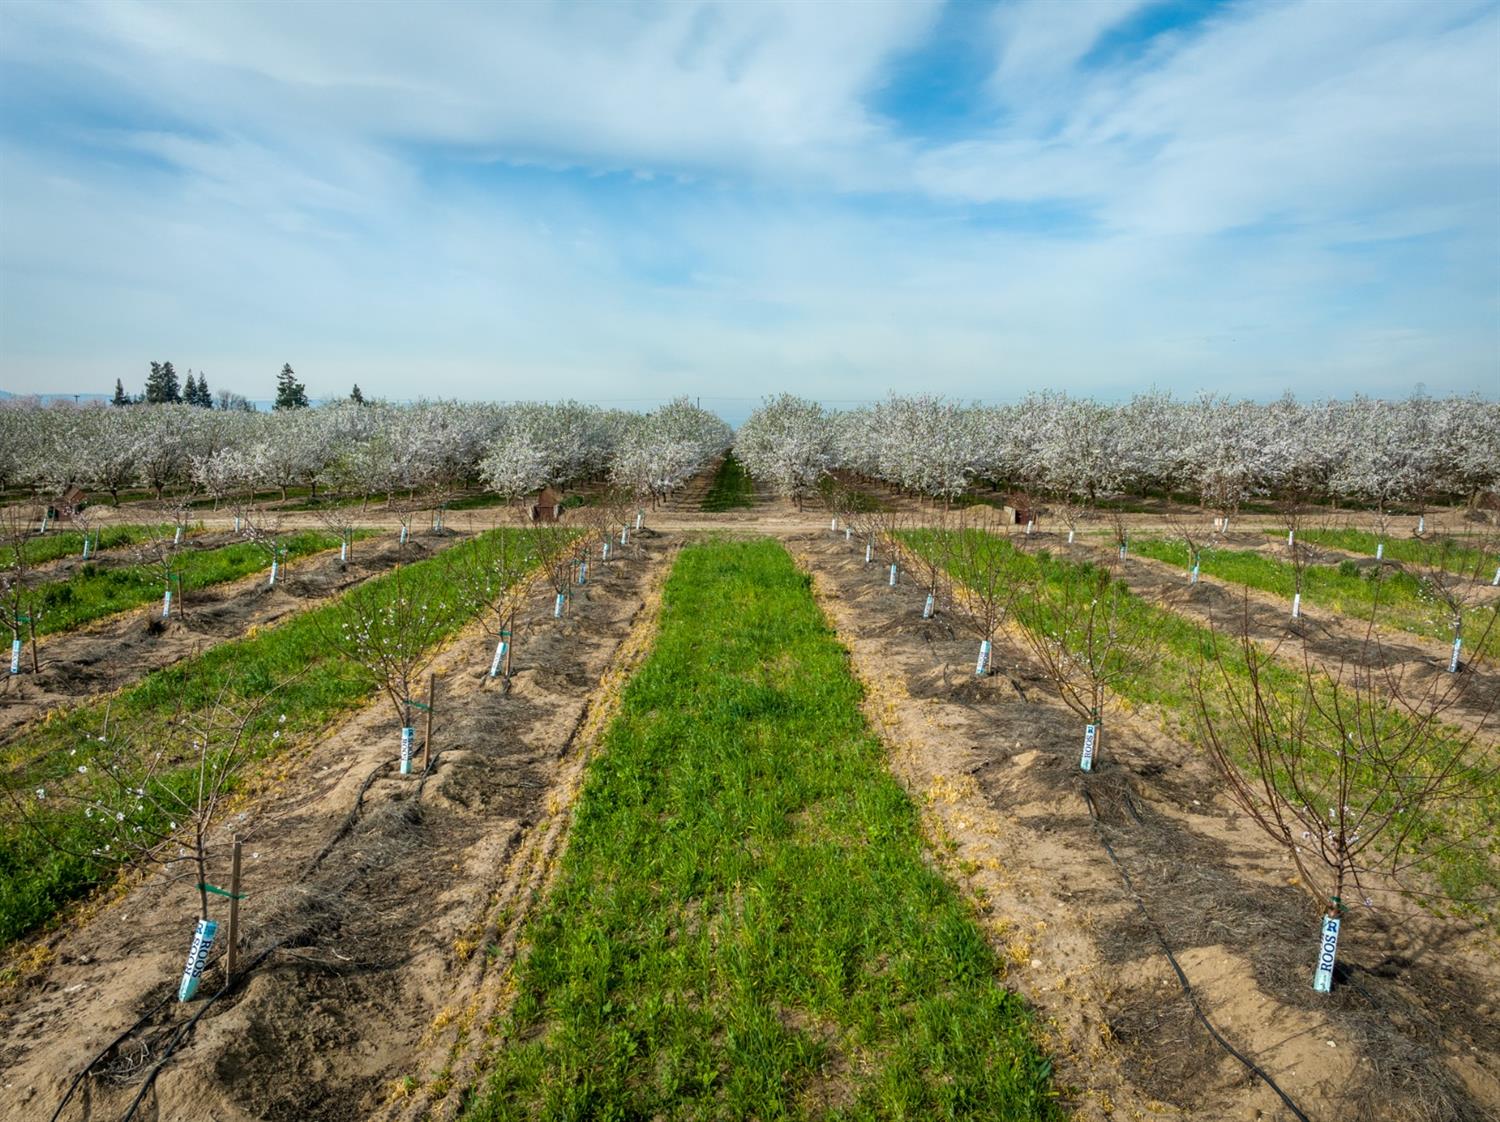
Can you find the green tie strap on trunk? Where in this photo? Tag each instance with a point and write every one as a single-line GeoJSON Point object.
{"type": "Point", "coordinates": [217, 891]}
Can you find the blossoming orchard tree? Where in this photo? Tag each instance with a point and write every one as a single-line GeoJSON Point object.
{"type": "Point", "coordinates": [663, 449]}
{"type": "Point", "coordinates": [788, 443]}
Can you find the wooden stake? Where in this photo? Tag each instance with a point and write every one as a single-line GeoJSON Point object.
{"type": "Point", "coordinates": [427, 736]}
{"type": "Point", "coordinates": [233, 950]}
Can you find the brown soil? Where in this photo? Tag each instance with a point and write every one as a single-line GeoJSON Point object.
{"type": "Point", "coordinates": [121, 649]}
{"type": "Point", "coordinates": [1409, 1033]}
{"type": "Point", "coordinates": [382, 911]}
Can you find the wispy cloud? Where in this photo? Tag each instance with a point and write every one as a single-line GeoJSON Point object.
{"type": "Point", "coordinates": [620, 201]}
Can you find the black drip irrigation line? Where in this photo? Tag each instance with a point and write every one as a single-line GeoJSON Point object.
{"type": "Point", "coordinates": [181, 1034]}
{"type": "Point", "coordinates": [111, 1046]}
{"type": "Point", "coordinates": [1182, 979]}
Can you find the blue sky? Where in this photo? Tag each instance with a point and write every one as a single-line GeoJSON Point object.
{"type": "Point", "coordinates": [623, 202]}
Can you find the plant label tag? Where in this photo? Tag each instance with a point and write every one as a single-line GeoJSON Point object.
{"type": "Point", "coordinates": [408, 735]}
{"type": "Point", "coordinates": [1296, 605]}
{"type": "Point", "coordinates": [192, 973]}
{"type": "Point", "coordinates": [15, 656]}
{"type": "Point", "coordinates": [984, 659]}
{"type": "Point", "coordinates": [1328, 949]}
{"type": "Point", "coordinates": [833, 523]}
{"type": "Point", "coordinates": [1089, 734]}
{"type": "Point", "coordinates": [166, 604]}
{"type": "Point", "coordinates": [893, 575]}
{"type": "Point", "coordinates": [869, 551]}
{"type": "Point", "coordinates": [1453, 662]}
{"type": "Point", "coordinates": [1379, 550]}
{"type": "Point", "coordinates": [557, 608]}
{"type": "Point", "coordinates": [927, 607]}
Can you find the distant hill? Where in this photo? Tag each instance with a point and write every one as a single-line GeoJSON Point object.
{"type": "Point", "coordinates": [46, 397]}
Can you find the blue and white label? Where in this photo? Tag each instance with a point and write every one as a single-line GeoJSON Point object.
{"type": "Point", "coordinates": [984, 659]}
{"type": "Point", "coordinates": [557, 608]}
{"type": "Point", "coordinates": [1296, 605]}
{"type": "Point", "coordinates": [177, 537]}
{"type": "Point", "coordinates": [1328, 950]}
{"type": "Point", "coordinates": [1453, 663]}
{"type": "Point", "coordinates": [344, 550]}
{"type": "Point", "coordinates": [403, 534]}
{"type": "Point", "coordinates": [583, 572]}
{"type": "Point", "coordinates": [1090, 738]}
{"type": "Point", "coordinates": [273, 570]}
{"type": "Point", "coordinates": [624, 535]}
{"type": "Point", "coordinates": [1291, 537]}
{"type": "Point", "coordinates": [848, 533]}
{"type": "Point", "coordinates": [166, 604]}
{"type": "Point", "coordinates": [1194, 573]}
{"type": "Point", "coordinates": [1379, 551]}
{"type": "Point", "coordinates": [893, 574]}
{"type": "Point", "coordinates": [1421, 524]}
{"type": "Point", "coordinates": [85, 549]}
{"type": "Point", "coordinates": [499, 659]}
{"type": "Point", "coordinates": [640, 519]}
{"type": "Point", "coordinates": [192, 973]}
{"type": "Point", "coordinates": [15, 656]}
{"type": "Point", "coordinates": [408, 737]}
{"type": "Point", "coordinates": [927, 607]}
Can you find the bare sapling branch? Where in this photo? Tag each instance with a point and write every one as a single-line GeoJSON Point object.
{"type": "Point", "coordinates": [20, 604]}
{"type": "Point", "coordinates": [493, 575]}
{"type": "Point", "coordinates": [977, 552]}
{"type": "Point", "coordinates": [1347, 766]}
{"type": "Point", "coordinates": [1090, 634]}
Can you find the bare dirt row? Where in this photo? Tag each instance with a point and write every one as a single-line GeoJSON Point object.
{"type": "Point", "coordinates": [121, 649]}
{"type": "Point", "coordinates": [1410, 1034]}
{"type": "Point", "coordinates": [382, 910]}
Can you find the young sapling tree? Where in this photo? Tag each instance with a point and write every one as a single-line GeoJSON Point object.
{"type": "Point", "coordinates": [1345, 767]}
{"type": "Point", "coordinates": [19, 602]}
{"type": "Point", "coordinates": [389, 632]}
{"type": "Point", "coordinates": [1089, 634]}
{"type": "Point", "coordinates": [494, 575]}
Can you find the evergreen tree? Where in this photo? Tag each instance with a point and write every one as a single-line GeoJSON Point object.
{"type": "Point", "coordinates": [355, 396]}
{"type": "Point", "coordinates": [190, 390]}
{"type": "Point", "coordinates": [290, 393]}
{"type": "Point", "coordinates": [205, 398]}
{"type": "Point", "coordinates": [162, 387]}
{"type": "Point", "coordinates": [121, 397]}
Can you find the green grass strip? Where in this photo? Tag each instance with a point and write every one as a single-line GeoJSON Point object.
{"type": "Point", "coordinates": [1391, 595]}
{"type": "Point", "coordinates": [1469, 877]}
{"type": "Point", "coordinates": [1447, 552]}
{"type": "Point", "coordinates": [732, 488]}
{"type": "Point", "coordinates": [94, 591]}
{"type": "Point", "coordinates": [744, 925]}
{"type": "Point", "coordinates": [313, 684]}
{"type": "Point", "coordinates": [54, 545]}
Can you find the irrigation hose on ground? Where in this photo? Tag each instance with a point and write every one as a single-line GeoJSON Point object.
{"type": "Point", "coordinates": [1182, 979]}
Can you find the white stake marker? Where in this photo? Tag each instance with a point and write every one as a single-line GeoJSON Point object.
{"type": "Point", "coordinates": [1379, 550]}
{"type": "Point", "coordinates": [499, 659]}
{"type": "Point", "coordinates": [1328, 949]}
{"type": "Point", "coordinates": [192, 973]}
{"type": "Point", "coordinates": [869, 551]}
{"type": "Point", "coordinates": [15, 656]}
{"type": "Point", "coordinates": [893, 574]}
{"type": "Point", "coordinates": [177, 537]}
{"type": "Point", "coordinates": [927, 608]}
{"type": "Point", "coordinates": [557, 608]}
{"type": "Point", "coordinates": [1090, 738]}
{"type": "Point", "coordinates": [1453, 662]}
{"type": "Point", "coordinates": [1296, 604]}
{"type": "Point", "coordinates": [984, 659]}
{"type": "Point", "coordinates": [166, 603]}
{"type": "Point", "coordinates": [833, 524]}
{"type": "Point", "coordinates": [1070, 537]}
{"type": "Point", "coordinates": [408, 737]}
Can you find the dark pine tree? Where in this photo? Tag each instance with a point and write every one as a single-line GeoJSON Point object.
{"type": "Point", "coordinates": [205, 397]}
{"type": "Point", "coordinates": [190, 390]}
{"type": "Point", "coordinates": [290, 393]}
{"type": "Point", "coordinates": [121, 397]}
{"type": "Point", "coordinates": [355, 396]}
{"type": "Point", "coordinates": [161, 385]}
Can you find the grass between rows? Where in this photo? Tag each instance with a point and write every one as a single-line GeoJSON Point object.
{"type": "Point", "coordinates": [743, 925]}
{"type": "Point", "coordinates": [1390, 595]}
{"type": "Point", "coordinates": [1467, 875]}
{"type": "Point", "coordinates": [1446, 552]}
{"type": "Point", "coordinates": [93, 591]}
{"type": "Point", "coordinates": [46, 858]}
{"type": "Point", "coordinates": [731, 489]}
{"type": "Point", "coordinates": [55, 545]}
